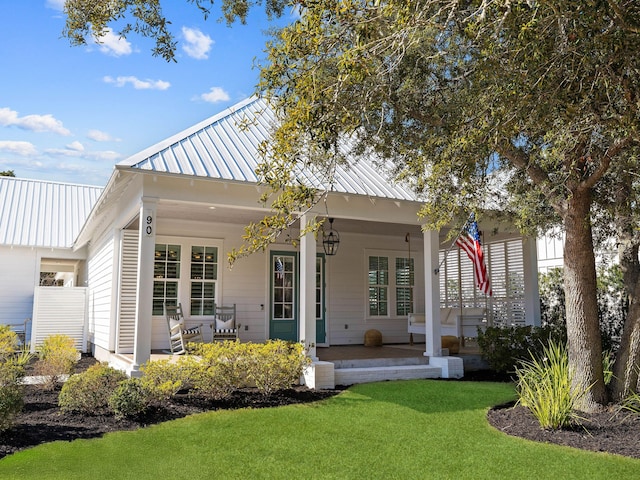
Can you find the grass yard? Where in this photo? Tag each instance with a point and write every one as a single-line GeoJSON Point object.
{"type": "Point", "coordinates": [419, 429]}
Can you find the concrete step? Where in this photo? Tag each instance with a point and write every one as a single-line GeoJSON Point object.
{"type": "Point", "coordinates": [379, 362]}
{"type": "Point", "coordinates": [350, 376]}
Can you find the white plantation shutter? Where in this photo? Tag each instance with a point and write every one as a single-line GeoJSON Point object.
{"type": "Point", "coordinates": [505, 268]}
{"type": "Point", "coordinates": [507, 276]}
{"type": "Point", "coordinates": [128, 286]}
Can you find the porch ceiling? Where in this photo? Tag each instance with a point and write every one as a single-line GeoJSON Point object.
{"type": "Point", "coordinates": [230, 215]}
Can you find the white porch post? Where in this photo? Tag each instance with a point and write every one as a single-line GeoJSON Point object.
{"type": "Point", "coordinates": [144, 303]}
{"type": "Point", "coordinates": [432, 294]}
{"type": "Point", "coordinates": [308, 289]}
{"type": "Point", "coordinates": [531, 288]}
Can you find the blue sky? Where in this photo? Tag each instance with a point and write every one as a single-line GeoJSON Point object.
{"type": "Point", "coordinates": [71, 113]}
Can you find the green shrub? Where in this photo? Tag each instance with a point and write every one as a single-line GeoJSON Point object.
{"type": "Point", "coordinates": [57, 357]}
{"type": "Point", "coordinates": [164, 378]}
{"type": "Point", "coordinates": [608, 360]}
{"type": "Point", "coordinates": [90, 391]}
{"type": "Point", "coordinates": [130, 398]}
{"type": "Point", "coordinates": [11, 392]}
{"type": "Point", "coordinates": [631, 403]}
{"type": "Point", "coordinates": [218, 369]}
{"type": "Point", "coordinates": [9, 342]}
{"type": "Point", "coordinates": [275, 365]}
{"type": "Point", "coordinates": [613, 303]}
{"type": "Point", "coordinates": [544, 386]}
{"type": "Point", "coordinates": [504, 347]}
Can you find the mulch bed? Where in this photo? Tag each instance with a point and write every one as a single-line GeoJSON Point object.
{"type": "Point", "coordinates": [608, 431]}
{"type": "Point", "coordinates": [41, 420]}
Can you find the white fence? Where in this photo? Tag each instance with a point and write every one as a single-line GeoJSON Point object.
{"type": "Point", "coordinates": [58, 310]}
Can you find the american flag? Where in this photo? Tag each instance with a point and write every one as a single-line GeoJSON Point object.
{"type": "Point", "coordinates": [469, 241]}
{"type": "Point", "coordinates": [279, 268]}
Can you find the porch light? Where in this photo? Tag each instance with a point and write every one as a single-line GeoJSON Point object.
{"type": "Point", "coordinates": [331, 240]}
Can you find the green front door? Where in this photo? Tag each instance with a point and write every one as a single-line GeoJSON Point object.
{"type": "Point", "coordinates": [321, 332]}
{"type": "Point", "coordinates": [283, 311]}
{"type": "Point", "coordinates": [284, 295]}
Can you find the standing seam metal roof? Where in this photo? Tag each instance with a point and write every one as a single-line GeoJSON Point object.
{"type": "Point", "coordinates": [38, 213]}
{"type": "Point", "coordinates": [225, 146]}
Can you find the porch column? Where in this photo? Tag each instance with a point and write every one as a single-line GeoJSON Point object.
{"type": "Point", "coordinates": [432, 294]}
{"type": "Point", "coordinates": [531, 288]}
{"type": "Point", "coordinates": [308, 289]}
{"type": "Point", "coordinates": [144, 290]}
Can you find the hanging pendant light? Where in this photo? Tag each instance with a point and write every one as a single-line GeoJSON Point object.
{"type": "Point", "coordinates": [330, 240]}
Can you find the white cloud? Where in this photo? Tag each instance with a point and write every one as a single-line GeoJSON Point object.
{"type": "Point", "coordinates": [106, 155]}
{"type": "Point", "coordinates": [100, 136]}
{"type": "Point", "coordinates": [18, 147]}
{"type": "Point", "coordinates": [77, 150]}
{"type": "Point", "coordinates": [198, 44]}
{"type": "Point", "coordinates": [137, 83]}
{"type": "Point", "coordinates": [76, 146]}
{"type": "Point", "coordinates": [35, 123]}
{"type": "Point", "coordinates": [112, 44]}
{"type": "Point", "coordinates": [216, 94]}
{"type": "Point", "coordinates": [55, 4]}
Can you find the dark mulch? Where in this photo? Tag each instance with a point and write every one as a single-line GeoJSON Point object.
{"type": "Point", "coordinates": [42, 421]}
{"type": "Point", "coordinates": [608, 431]}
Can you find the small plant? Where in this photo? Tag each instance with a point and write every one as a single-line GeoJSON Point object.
{"type": "Point", "coordinates": [219, 368]}
{"type": "Point", "coordinates": [276, 365]}
{"type": "Point", "coordinates": [544, 386]}
{"type": "Point", "coordinates": [11, 392]}
{"type": "Point", "coordinates": [608, 359]}
{"type": "Point", "coordinates": [164, 378]}
{"type": "Point", "coordinates": [56, 359]}
{"type": "Point", "coordinates": [130, 398]}
{"type": "Point", "coordinates": [9, 342]}
{"type": "Point", "coordinates": [90, 391]}
{"type": "Point", "coordinates": [631, 403]}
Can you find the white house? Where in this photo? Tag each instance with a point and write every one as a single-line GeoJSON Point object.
{"type": "Point", "coordinates": [160, 229]}
{"type": "Point", "coordinates": [39, 222]}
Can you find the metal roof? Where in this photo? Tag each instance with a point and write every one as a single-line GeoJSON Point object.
{"type": "Point", "coordinates": [36, 213]}
{"type": "Point", "coordinates": [225, 146]}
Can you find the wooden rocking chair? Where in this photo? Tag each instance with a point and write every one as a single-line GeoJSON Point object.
{"type": "Point", "coordinates": [225, 326]}
{"type": "Point", "coordinates": [179, 335]}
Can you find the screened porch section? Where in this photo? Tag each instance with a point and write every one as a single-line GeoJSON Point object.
{"type": "Point", "coordinates": [506, 269]}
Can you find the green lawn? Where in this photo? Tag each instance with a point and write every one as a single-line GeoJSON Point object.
{"type": "Point", "coordinates": [404, 430]}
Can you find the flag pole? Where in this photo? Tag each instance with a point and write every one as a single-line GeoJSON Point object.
{"type": "Point", "coordinates": [436, 271]}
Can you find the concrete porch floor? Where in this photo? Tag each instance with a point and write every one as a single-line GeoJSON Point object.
{"type": "Point", "coordinates": [470, 354]}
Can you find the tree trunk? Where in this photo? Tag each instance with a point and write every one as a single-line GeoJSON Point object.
{"type": "Point", "coordinates": [583, 332]}
{"type": "Point", "coordinates": [625, 369]}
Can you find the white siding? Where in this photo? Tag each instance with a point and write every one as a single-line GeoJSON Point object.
{"type": "Point", "coordinates": [19, 275]}
{"type": "Point", "coordinates": [60, 311]}
{"type": "Point", "coordinates": [100, 279]}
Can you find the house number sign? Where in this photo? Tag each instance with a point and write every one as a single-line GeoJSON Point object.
{"type": "Point", "coordinates": [149, 225]}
